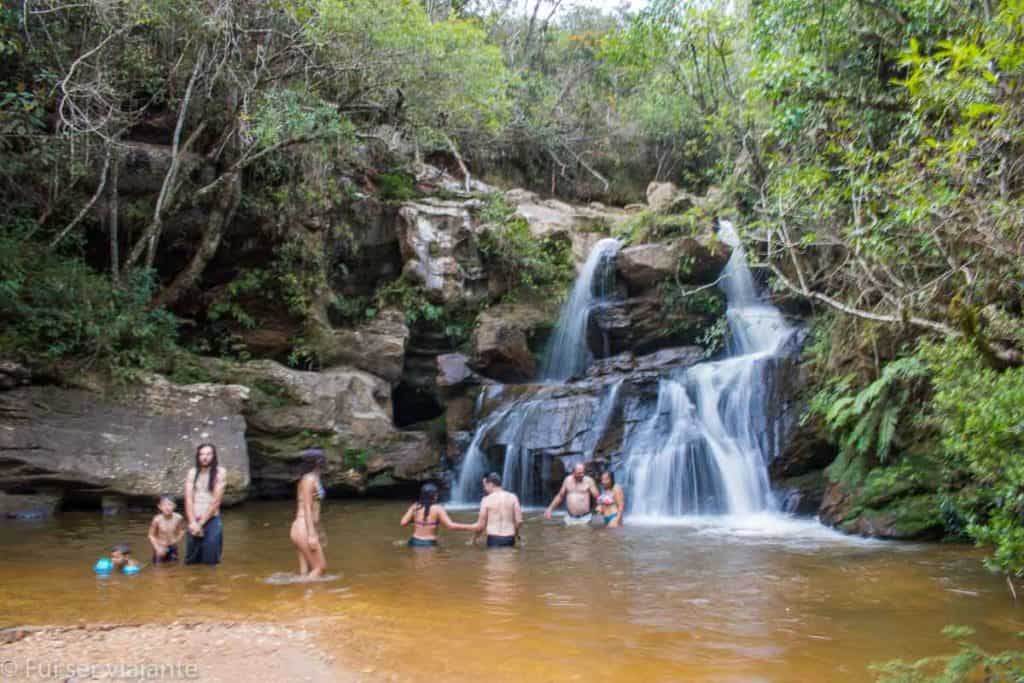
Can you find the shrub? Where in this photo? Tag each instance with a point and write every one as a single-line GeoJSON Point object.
{"type": "Point", "coordinates": [55, 307]}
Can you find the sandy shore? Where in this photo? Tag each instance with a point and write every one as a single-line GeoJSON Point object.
{"type": "Point", "coordinates": [228, 652]}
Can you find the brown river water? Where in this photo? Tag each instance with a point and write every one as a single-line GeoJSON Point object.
{"type": "Point", "coordinates": [763, 599]}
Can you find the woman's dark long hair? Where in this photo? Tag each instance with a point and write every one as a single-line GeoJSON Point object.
{"type": "Point", "coordinates": [428, 496]}
{"type": "Point", "coordinates": [213, 465]}
{"type": "Point", "coordinates": [611, 477]}
{"type": "Point", "coordinates": [311, 459]}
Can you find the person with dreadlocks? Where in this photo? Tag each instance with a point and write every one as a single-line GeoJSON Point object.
{"type": "Point", "coordinates": [306, 532]}
{"type": "Point", "coordinates": [204, 492]}
{"type": "Point", "coordinates": [428, 515]}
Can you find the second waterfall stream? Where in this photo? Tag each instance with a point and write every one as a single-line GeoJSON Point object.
{"type": "Point", "coordinates": [703, 449]}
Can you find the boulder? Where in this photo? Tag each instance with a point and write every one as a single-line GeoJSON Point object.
{"type": "Point", "coordinates": [13, 375]}
{"type": "Point", "coordinates": [377, 347]}
{"type": "Point", "coordinates": [504, 336]}
{"type": "Point", "coordinates": [659, 361]}
{"type": "Point", "coordinates": [807, 449]}
{"type": "Point", "coordinates": [583, 226]}
{"type": "Point", "coordinates": [438, 244]}
{"type": "Point", "coordinates": [692, 261]}
{"type": "Point", "coordinates": [646, 265]}
{"type": "Point", "coordinates": [141, 444]}
{"type": "Point", "coordinates": [343, 400]}
{"type": "Point", "coordinates": [345, 410]}
{"type": "Point", "coordinates": [454, 373]}
{"type": "Point", "coordinates": [666, 197]}
{"type": "Point", "coordinates": [643, 325]}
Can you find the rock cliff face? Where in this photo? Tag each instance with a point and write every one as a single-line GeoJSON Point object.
{"type": "Point", "coordinates": [391, 399]}
{"type": "Point", "coordinates": [71, 443]}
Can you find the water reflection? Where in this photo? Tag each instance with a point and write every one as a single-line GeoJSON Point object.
{"type": "Point", "coordinates": [693, 601]}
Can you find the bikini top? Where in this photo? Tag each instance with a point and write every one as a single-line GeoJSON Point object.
{"type": "Point", "coordinates": [321, 492]}
{"type": "Point", "coordinates": [606, 498]}
{"type": "Point", "coordinates": [424, 522]}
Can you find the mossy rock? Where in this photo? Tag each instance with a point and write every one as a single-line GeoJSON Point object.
{"type": "Point", "coordinates": [909, 518]}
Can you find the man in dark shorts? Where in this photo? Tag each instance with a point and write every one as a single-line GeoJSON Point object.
{"type": "Point", "coordinates": [501, 515]}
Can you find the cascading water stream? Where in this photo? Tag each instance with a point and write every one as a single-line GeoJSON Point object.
{"type": "Point", "coordinates": [568, 354]}
{"type": "Point", "coordinates": [705, 449]}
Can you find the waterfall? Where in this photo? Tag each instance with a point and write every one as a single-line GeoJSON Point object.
{"type": "Point", "coordinates": [523, 469]}
{"type": "Point", "coordinates": [568, 354]}
{"type": "Point", "coordinates": [703, 449]}
{"type": "Point", "coordinates": [706, 447]}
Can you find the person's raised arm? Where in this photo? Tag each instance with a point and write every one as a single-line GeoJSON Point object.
{"type": "Point", "coordinates": [409, 515]}
{"type": "Point", "coordinates": [190, 497]}
{"type": "Point", "coordinates": [620, 505]}
{"type": "Point", "coordinates": [220, 484]}
{"type": "Point", "coordinates": [557, 501]}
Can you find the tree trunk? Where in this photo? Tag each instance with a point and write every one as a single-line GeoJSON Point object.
{"type": "Point", "coordinates": [221, 217]}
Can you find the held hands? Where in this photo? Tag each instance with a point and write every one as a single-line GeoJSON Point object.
{"type": "Point", "coordinates": [195, 529]}
{"type": "Point", "coordinates": [547, 514]}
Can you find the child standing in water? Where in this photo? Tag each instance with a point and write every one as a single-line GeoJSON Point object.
{"type": "Point", "coordinates": [306, 532]}
{"type": "Point", "coordinates": [166, 531]}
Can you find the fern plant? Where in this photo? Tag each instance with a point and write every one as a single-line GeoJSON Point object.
{"type": "Point", "coordinates": [864, 422]}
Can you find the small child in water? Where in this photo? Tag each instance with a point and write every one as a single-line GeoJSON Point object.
{"type": "Point", "coordinates": [166, 531]}
{"type": "Point", "coordinates": [121, 559]}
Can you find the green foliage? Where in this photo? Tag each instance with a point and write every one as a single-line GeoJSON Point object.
{"type": "Point", "coordinates": [396, 186]}
{"type": "Point", "coordinates": [696, 313]}
{"type": "Point", "coordinates": [528, 265]}
{"type": "Point", "coordinates": [356, 458]}
{"type": "Point", "coordinates": [56, 307]}
{"type": "Point", "coordinates": [652, 226]}
{"type": "Point", "coordinates": [979, 410]}
{"type": "Point", "coordinates": [455, 322]}
{"type": "Point", "coordinates": [865, 421]}
{"type": "Point", "coordinates": [969, 663]}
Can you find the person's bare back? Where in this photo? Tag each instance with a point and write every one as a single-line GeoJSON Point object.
{"type": "Point", "coordinates": [504, 513]}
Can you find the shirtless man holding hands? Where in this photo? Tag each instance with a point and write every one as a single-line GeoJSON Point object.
{"type": "Point", "coordinates": [500, 514]}
{"type": "Point", "coordinates": [579, 492]}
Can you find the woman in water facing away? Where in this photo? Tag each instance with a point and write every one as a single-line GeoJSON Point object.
{"type": "Point", "coordinates": [306, 533]}
{"type": "Point", "coordinates": [428, 515]}
{"type": "Point", "coordinates": [611, 504]}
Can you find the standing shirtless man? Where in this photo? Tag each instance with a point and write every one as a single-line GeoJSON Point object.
{"type": "Point", "coordinates": [579, 492]}
{"type": "Point", "coordinates": [500, 514]}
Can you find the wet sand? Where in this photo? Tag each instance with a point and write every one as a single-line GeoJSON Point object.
{"type": "Point", "coordinates": [215, 652]}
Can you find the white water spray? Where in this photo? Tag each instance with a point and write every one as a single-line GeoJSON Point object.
{"type": "Point", "coordinates": [707, 446]}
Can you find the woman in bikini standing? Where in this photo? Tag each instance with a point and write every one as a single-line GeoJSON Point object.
{"type": "Point", "coordinates": [427, 516]}
{"type": "Point", "coordinates": [611, 504]}
{"type": "Point", "coordinates": [306, 532]}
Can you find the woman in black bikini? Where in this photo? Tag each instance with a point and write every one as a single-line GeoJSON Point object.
{"type": "Point", "coordinates": [427, 516]}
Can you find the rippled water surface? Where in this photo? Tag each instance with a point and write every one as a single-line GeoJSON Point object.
{"type": "Point", "coordinates": [754, 599]}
